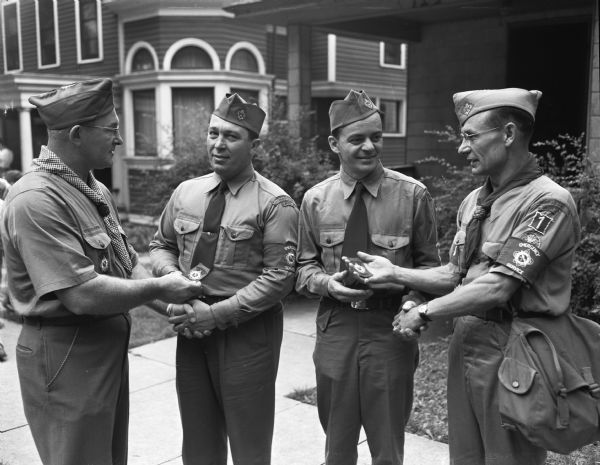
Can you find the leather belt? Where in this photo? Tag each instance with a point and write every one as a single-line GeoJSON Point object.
{"type": "Point", "coordinates": [70, 320]}
{"type": "Point", "coordinates": [373, 303]}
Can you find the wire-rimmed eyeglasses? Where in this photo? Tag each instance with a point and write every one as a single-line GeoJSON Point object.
{"type": "Point", "coordinates": [115, 131]}
{"type": "Point", "coordinates": [470, 137]}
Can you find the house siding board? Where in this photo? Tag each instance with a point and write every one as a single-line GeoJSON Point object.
{"type": "Point", "coordinates": [448, 69]}
{"type": "Point", "coordinates": [358, 61]}
{"type": "Point", "coordinates": [319, 56]}
{"type": "Point", "coordinates": [162, 33]}
{"type": "Point", "coordinates": [394, 151]}
{"type": "Point", "coordinates": [277, 55]}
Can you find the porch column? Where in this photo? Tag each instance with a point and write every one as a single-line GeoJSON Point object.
{"type": "Point", "coordinates": [26, 138]}
{"type": "Point", "coordinates": [299, 79]}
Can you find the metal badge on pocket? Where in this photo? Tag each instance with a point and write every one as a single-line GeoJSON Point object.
{"type": "Point", "coordinates": [104, 264]}
{"type": "Point", "coordinates": [199, 272]}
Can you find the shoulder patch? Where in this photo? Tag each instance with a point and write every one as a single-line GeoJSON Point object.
{"type": "Point", "coordinates": [284, 201]}
{"type": "Point", "coordinates": [541, 221]}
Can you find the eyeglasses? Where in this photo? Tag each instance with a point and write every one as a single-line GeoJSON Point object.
{"type": "Point", "coordinates": [115, 131]}
{"type": "Point", "coordinates": [470, 137]}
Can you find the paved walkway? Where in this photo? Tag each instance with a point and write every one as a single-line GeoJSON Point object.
{"type": "Point", "coordinates": [154, 428]}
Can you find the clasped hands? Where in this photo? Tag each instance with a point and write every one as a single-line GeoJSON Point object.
{"type": "Point", "coordinates": [407, 324]}
{"type": "Point", "coordinates": [192, 319]}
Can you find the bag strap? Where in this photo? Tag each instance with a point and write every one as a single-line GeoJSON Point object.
{"type": "Point", "coordinates": [562, 420]}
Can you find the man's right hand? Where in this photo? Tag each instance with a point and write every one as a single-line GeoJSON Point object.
{"type": "Point", "coordinates": [338, 291]}
{"type": "Point", "coordinates": [176, 288]}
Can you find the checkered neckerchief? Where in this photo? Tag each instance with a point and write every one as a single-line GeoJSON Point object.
{"type": "Point", "coordinates": [49, 162]}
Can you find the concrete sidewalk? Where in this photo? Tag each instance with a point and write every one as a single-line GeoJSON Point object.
{"type": "Point", "coordinates": [154, 428]}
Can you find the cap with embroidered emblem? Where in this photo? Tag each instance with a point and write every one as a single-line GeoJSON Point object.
{"type": "Point", "coordinates": [75, 103]}
{"type": "Point", "coordinates": [236, 110]}
{"type": "Point", "coordinates": [356, 106]}
{"type": "Point", "coordinates": [469, 103]}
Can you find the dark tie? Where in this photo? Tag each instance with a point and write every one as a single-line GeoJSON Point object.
{"type": "Point", "coordinates": [356, 236]}
{"type": "Point", "coordinates": [207, 245]}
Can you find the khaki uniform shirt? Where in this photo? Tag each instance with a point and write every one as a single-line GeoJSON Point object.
{"type": "Point", "coordinates": [401, 225]}
{"type": "Point", "coordinates": [54, 238]}
{"type": "Point", "coordinates": [256, 250]}
{"type": "Point", "coordinates": [531, 234]}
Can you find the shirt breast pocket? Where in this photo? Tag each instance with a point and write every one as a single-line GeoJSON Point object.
{"type": "Point", "coordinates": [393, 247]}
{"type": "Point", "coordinates": [331, 248]}
{"type": "Point", "coordinates": [96, 248]}
{"type": "Point", "coordinates": [186, 229]}
{"type": "Point", "coordinates": [237, 246]}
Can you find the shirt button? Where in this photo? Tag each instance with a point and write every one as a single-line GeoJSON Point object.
{"type": "Point", "coordinates": [328, 241]}
{"type": "Point", "coordinates": [391, 243]}
{"type": "Point", "coordinates": [234, 234]}
{"type": "Point", "coordinates": [515, 384]}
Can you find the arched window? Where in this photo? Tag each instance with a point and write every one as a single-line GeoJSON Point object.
{"type": "Point", "coordinates": [142, 61]}
{"type": "Point", "coordinates": [191, 57]}
{"type": "Point", "coordinates": [244, 60]}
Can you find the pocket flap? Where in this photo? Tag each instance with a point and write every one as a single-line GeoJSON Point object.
{"type": "Point", "coordinates": [332, 237]}
{"type": "Point", "coordinates": [516, 376]}
{"type": "Point", "coordinates": [238, 234]}
{"type": "Point", "coordinates": [99, 240]}
{"type": "Point", "coordinates": [492, 249]}
{"type": "Point", "coordinates": [390, 242]}
{"type": "Point", "coordinates": [185, 225]}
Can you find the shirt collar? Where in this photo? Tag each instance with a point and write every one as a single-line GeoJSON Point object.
{"type": "Point", "coordinates": [371, 182]}
{"type": "Point", "coordinates": [234, 186]}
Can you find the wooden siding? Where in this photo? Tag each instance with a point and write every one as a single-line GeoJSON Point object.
{"type": "Point", "coordinates": [67, 42]}
{"type": "Point", "coordinates": [358, 61]}
{"type": "Point", "coordinates": [277, 55]}
{"type": "Point", "coordinates": [163, 32]}
{"type": "Point", "coordinates": [319, 58]}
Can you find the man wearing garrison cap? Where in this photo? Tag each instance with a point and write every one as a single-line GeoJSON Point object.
{"type": "Point", "coordinates": [69, 265]}
{"type": "Point", "coordinates": [236, 232]}
{"type": "Point", "coordinates": [512, 255]}
{"type": "Point", "coordinates": [364, 372]}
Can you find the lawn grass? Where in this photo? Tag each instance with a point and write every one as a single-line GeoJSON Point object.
{"type": "Point", "coordinates": [429, 417]}
{"type": "Point", "coordinates": [148, 326]}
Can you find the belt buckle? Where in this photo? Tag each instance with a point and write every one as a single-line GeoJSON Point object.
{"type": "Point", "coordinates": [359, 305]}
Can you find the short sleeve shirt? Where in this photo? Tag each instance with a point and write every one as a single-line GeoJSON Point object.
{"type": "Point", "coordinates": [53, 239]}
{"type": "Point", "coordinates": [531, 235]}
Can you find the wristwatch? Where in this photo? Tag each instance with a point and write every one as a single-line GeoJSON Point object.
{"type": "Point", "coordinates": [423, 311]}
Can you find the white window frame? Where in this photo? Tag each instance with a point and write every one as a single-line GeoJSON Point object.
{"type": "Point", "coordinates": [20, 68]}
{"type": "Point", "coordinates": [136, 48]}
{"type": "Point", "coordinates": [190, 41]}
{"type": "Point", "coordinates": [39, 36]}
{"type": "Point", "coordinates": [401, 114]}
{"type": "Point", "coordinates": [383, 64]}
{"type": "Point", "coordinates": [250, 47]}
{"type": "Point", "coordinates": [100, 57]}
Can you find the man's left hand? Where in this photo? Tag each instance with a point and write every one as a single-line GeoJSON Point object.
{"type": "Point", "coordinates": [407, 323]}
{"type": "Point", "coordinates": [201, 324]}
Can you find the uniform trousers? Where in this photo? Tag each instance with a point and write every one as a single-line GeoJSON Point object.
{"type": "Point", "coordinates": [476, 436]}
{"type": "Point", "coordinates": [226, 388]}
{"type": "Point", "coordinates": [75, 389]}
{"type": "Point", "coordinates": [364, 378]}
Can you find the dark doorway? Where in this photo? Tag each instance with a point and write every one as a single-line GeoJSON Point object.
{"type": "Point", "coordinates": [553, 58]}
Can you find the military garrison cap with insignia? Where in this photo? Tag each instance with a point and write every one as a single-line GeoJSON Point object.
{"type": "Point", "coordinates": [236, 110]}
{"type": "Point", "coordinates": [469, 103]}
{"type": "Point", "coordinates": [75, 103]}
{"type": "Point", "coordinates": [356, 106]}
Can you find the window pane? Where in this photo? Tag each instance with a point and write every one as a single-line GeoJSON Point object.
{"type": "Point", "coordinates": [142, 61]}
{"type": "Point", "coordinates": [391, 115]}
{"type": "Point", "coordinates": [250, 96]}
{"type": "Point", "coordinates": [12, 36]}
{"type": "Point", "coordinates": [144, 122]}
{"type": "Point", "coordinates": [191, 58]}
{"type": "Point", "coordinates": [191, 113]}
{"type": "Point", "coordinates": [392, 54]}
{"type": "Point", "coordinates": [88, 26]}
{"type": "Point", "coordinates": [243, 60]}
{"type": "Point", "coordinates": [47, 32]}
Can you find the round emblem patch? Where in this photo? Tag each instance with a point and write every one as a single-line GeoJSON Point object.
{"type": "Point", "coordinates": [522, 258]}
{"type": "Point", "coordinates": [104, 265]}
{"type": "Point", "coordinates": [533, 239]}
{"type": "Point", "coordinates": [241, 115]}
{"type": "Point", "coordinates": [195, 275]}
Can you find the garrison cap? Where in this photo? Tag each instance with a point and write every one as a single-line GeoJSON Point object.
{"type": "Point", "coordinates": [469, 103]}
{"type": "Point", "coordinates": [356, 106]}
{"type": "Point", "coordinates": [236, 110]}
{"type": "Point", "coordinates": [75, 103]}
